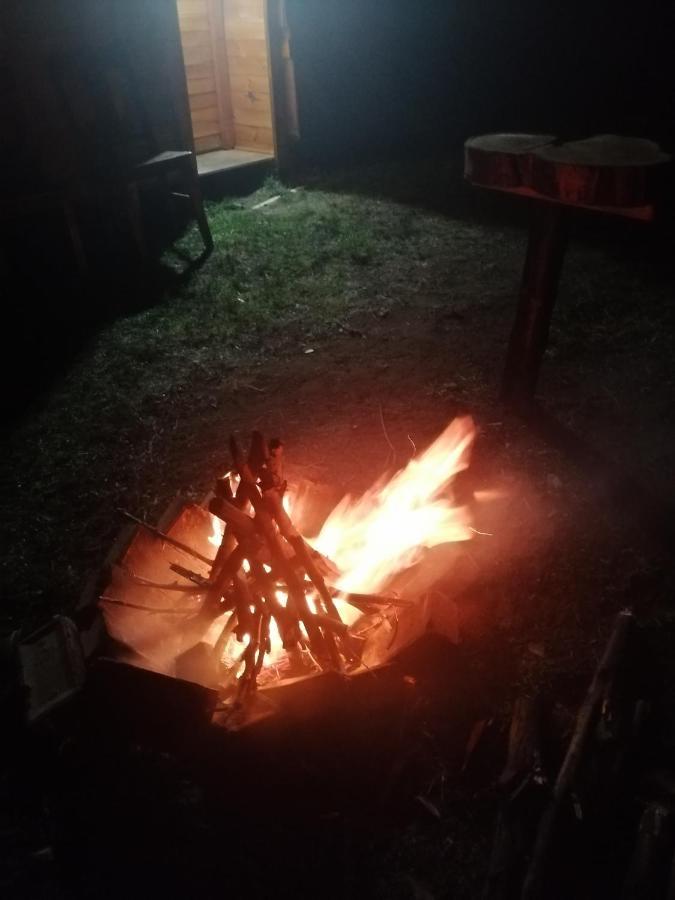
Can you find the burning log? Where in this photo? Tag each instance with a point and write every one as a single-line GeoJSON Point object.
{"type": "Point", "coordinates": [258, 528]}
{"type": "Point", "coordinates": [274, 503]}
{"type": "Point", "coordinates": [274, 534]}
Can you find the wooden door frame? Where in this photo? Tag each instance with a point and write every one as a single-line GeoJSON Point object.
{"type": "Point", "coordinates": [283, 99]}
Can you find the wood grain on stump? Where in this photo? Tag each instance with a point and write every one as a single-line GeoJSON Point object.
{"type": "Point", "coordinates": [501, 160]}
{"type": "Point", "coordinates": [605, 170]}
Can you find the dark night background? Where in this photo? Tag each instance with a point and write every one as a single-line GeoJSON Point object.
{"type": "Point", "coordinates": [380, 76]}
{"type": "Point", "coordinates": [370, 303]}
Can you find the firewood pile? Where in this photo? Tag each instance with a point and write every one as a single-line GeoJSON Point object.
{"type": "Point", "coordinates": [565, 812]}
{"type": "Point", "coordinates": [267, 579]}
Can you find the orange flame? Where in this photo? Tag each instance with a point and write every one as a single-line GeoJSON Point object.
{"type": "Point", "coordinates": [373, 537]}
{"type": "Point", "coordinates": [217, 532]}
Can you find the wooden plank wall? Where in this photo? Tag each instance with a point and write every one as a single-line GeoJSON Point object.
{"type": "Point", "coordinates": [248, 63]}
{"type": "Point", "coordinates": [33, 33]}
{"type": "Point", "coordinates": [203, 40]}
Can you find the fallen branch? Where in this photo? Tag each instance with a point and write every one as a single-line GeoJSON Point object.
{"type": "Point", "coordinates": [534, 880]}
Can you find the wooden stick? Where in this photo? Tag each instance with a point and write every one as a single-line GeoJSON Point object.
{"type": "Point", "coordinates": [165, 537]}
{"type": "Point", "coordinates": [522, 785]}
{"type": "Point", "coordinates": [223, 492]}
{"type": "Point", "coordinates": [247, 608]}
{"type": "Point", "coordinates": [359, 600]}
{"type": "Point", "coordinates": [150, 609]}
{"type": "Point", "coordinates": [227, 571]}
{"type": "Point", "coordinates": [264, 521]}
{"type": "Point", "coordinates": [227, 545]}
{"type": "Point", "coordinates": [534, 880]}
{"type": "Point", "coordinates": [272, 475]}
{"type": "Point", "coordinates": [282, 614]}
{"type": "Point", "coordinates": [272, 500]}
{"type": "Point", "coordinates": [295, 539]}
{"type": "Point", "coordinates": [225, 635]}
{"type": "Point", "coordinates": [524, 755]}
{"type": "Point", "coordinates": [252, 650]}
{"type": "Point", "coordinates": [241, 523]}
{"type": "Point", "coordinates": [144, 582]}
{"type": "Point", "coordinates": [263, 641]}
{"type": "Point", "coordinates": [287, 623]}
{"type": "Point", "coordinates": [258, 454]}
{"type": "Point", "coordinates": [194, 577]}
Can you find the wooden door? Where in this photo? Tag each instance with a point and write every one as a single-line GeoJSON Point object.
{"type": "Point", "coordinates": [249, 72]}
{"type": "Point", "coordinates": [204, 54]}
{"type": "Point", "coordinates": [239, 74]}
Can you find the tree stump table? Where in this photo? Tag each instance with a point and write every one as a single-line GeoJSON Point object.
{"type": "Point", "coordinates": [605, 174]}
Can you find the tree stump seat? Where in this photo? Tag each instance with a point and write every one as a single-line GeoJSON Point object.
{"type": "Point", "coordinates": [606, 174]}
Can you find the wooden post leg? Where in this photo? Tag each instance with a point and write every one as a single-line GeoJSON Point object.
{"type": "Point", "coordinates": [195, 193]}
{"type": "Point", "coordinates": [545, 251]}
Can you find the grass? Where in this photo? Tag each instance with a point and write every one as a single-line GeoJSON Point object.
{"type": "Point", "coordinates": [142, 412]}
{"type": "Point", "coordinates": [280, 277]}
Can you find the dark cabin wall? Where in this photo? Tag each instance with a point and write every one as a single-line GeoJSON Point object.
{"type": "Point", "coordinates": [38, 32]}
{"type": "Point", "coordinates": [382, 76]}
{"type": "Point", "coordinates": [377, 75]}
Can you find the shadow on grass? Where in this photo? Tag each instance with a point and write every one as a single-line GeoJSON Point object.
{"type": "Point", "coordinates": [610, 482]}
{"type": "Point", "coordinates": [57, 311]}
{"type": "Point", "coordinates": [437, 184]}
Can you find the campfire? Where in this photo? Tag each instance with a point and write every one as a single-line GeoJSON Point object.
{"type": "Point", "coordinates": [254, 601]}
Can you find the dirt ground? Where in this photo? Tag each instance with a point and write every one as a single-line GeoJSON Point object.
{"type": "Point", "coordinates": [572, 534]}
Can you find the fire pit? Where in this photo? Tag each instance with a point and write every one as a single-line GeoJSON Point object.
{"type": "Point", "coordinates": [232, 594]}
